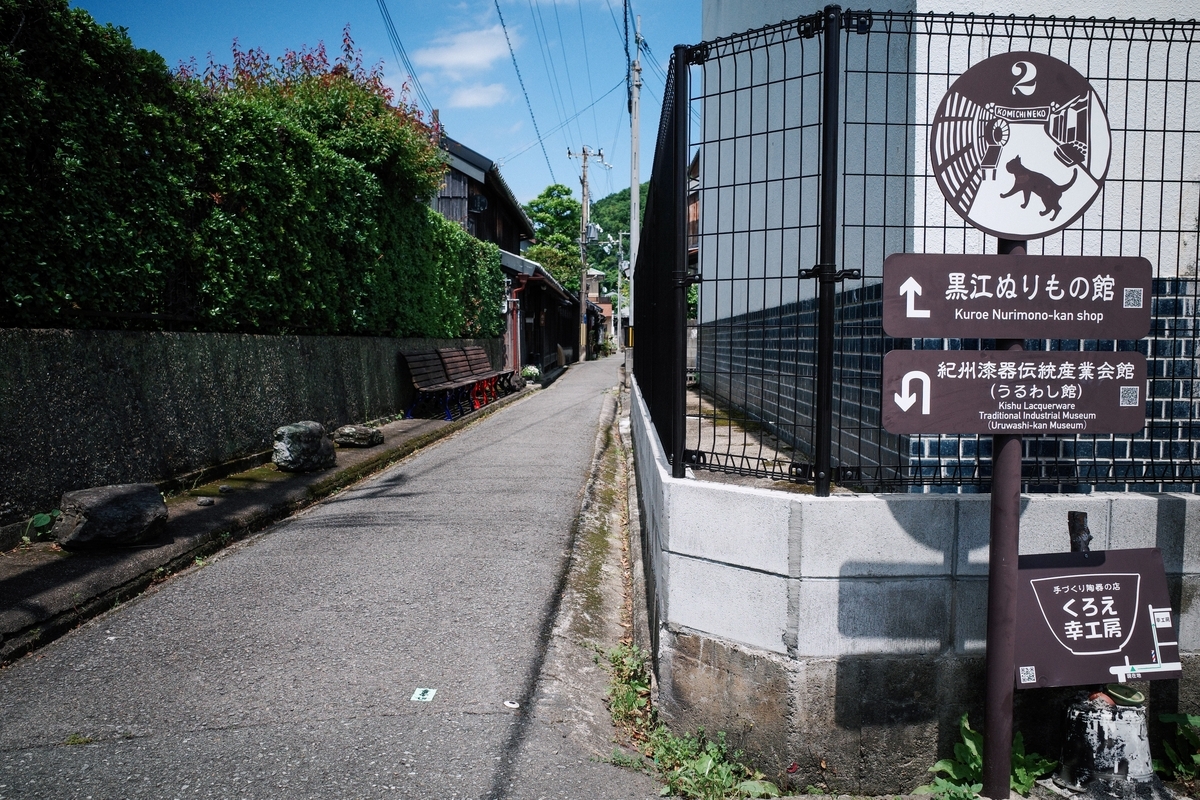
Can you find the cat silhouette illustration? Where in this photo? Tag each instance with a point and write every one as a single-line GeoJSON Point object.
{"type": "Point", "coordinates": [1029, 182]}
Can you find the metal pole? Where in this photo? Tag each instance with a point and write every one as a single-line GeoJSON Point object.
{"type": "Point", "coordinates": [635, 186]}
{"type": "Point", "coordinates": [1002, 595]}
{"type": "Point", "coordinates": [618, 332]}
{"type": "Point", "coordinates": [827, 268]}
{"type": "Point", "coordinates": [679, 317]}
{"type": "Point", "coordinates": [583, 228]}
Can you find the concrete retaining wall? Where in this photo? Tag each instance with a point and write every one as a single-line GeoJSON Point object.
{"type": "Point", "coordinates": [848, 631]}
{"type": "Point", "coordinates": [88, 408]}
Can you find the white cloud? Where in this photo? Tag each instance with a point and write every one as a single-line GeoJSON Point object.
{"type": "Point", "coordinates": [465, 52]}
{"type": "Point", "coordinates": [478, 96]}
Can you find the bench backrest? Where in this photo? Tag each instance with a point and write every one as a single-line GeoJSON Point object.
{"type": "Point", "coordinates": [426, 369]}
{"type": "Point", "coordinates": [455, 362]}
{"type": "Point", "coordinates": [477, 357]}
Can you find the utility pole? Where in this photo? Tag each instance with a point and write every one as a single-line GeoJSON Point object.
{"type": "Point", "coordinates": [635, 186]}
{"type": "Point", "coordinates": [585, 235]}
{"type": "Point", "coordinates": [621, 265]}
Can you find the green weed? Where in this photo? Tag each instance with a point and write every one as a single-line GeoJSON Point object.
{"type": "Point", "coordinates": [697, 766]}
{"type": "Point", "coordinates": [1184, 755]}
{"type": "Point", "coordinates": [40, 524]}
{"type": "Point", "coordinates": [962, 776]}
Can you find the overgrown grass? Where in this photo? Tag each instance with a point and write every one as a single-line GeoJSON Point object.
{"type": "Point", "coordinates": [693, 766]}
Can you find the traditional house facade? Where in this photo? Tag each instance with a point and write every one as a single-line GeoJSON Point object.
{"type": "Point", "coordinates": [542, 316]}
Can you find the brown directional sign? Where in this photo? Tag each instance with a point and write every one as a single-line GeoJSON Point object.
{"type": "Point", "coordinates": [1013, 392]}
{"type": "Point", "coordinates": [1016, 296]}
{"type": "Point", "coordinates": [1086, 618]}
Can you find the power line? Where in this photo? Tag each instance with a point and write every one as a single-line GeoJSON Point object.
{"type": "Point", "coordinates": [560, 126]}
{"type": "Point", "coordinates": [521, 81]}
{"type": "Point", "coordinates": [587, 63]}
{"type": "Point", "coordinates": [628, 62]}
{"type": "Point", "coordinates": [402, 56]}
{"type": "Point", "coordinates": [562, 45]}
{"type": "Point", "coordinates": [543, 38]}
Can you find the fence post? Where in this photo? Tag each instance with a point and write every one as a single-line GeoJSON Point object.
{"type": "Point", "coordinates": [826, 269]}
{"type": "Point", "coordinates": [679, 306]}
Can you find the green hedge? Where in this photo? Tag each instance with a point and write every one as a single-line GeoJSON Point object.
{"type": "Point", "coordinates": [272, 200]}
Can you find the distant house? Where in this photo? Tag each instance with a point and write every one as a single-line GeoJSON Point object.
{"type": "Point", "coordinates": [543, 317]}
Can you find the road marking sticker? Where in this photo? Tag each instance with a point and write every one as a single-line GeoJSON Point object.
{"type": "Point", "coordinates": [424, 695]}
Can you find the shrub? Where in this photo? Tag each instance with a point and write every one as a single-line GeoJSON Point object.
{"type": "Point", "coordinates": [283, 196]}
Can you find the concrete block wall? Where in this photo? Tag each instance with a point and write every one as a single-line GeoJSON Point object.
{"type": "Point", "coordinates": [857, 622]}
{"type": "Point", "coordinates": [82, 408]}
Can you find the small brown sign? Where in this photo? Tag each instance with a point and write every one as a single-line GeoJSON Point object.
{"type": "Point", "coordinates": [1098, 617]}
{"type": "Point", "coordinates": [1016, 296]}
{"type": "Point", "coordinates": [1013, 392]}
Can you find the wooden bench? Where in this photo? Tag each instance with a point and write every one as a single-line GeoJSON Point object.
{"type": "Point", "coordinates": [456, 376]}
{"type": "Point", "coordinates": [460, 365]}
{"type": "Point", "coordinates": [496, 382]}
{"type": "Point", "coordinates": [431, 381]}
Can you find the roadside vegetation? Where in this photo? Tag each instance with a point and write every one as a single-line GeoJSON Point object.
{"type": "Point", "coordinates": [272, 195]}
{"type": "Point", "coordinates": [693, 766]}
{"type": "Point", "coordinates": [1183, 754]}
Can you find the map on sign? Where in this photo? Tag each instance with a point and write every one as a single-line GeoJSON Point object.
{"type": "Point", "coordinates": [1020, 145]}
{"type": "Point", "coordinates": [1013, 392]}
{"type": "Point", "coordinates": [1016, 296]}
{"type": "Point", "coordinates": [1094, 618]}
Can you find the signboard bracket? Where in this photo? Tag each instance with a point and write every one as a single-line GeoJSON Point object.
{"type": "Point", "coordinates": [829, 273]}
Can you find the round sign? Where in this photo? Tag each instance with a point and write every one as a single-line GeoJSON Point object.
{"type": "Point", "coordinates": [1020, 145]}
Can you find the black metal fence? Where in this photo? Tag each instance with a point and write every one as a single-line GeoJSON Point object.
{"type": "Point", "coordinates": [785, 207]}
{"type": "Point", "coordinates": [659, 316]}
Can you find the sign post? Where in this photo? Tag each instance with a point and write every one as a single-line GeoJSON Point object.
{"type": "Point", "coordinates": [1003, 553]}
{"type": "Point", "coordinates": [1019, 146]}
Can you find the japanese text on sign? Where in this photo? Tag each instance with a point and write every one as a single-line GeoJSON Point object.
{"type": "Point", "coordinates": [931, 391]}
{"type": "Point", "coordinates": [1016, 296]}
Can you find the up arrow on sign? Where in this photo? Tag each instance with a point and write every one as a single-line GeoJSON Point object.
{"type": "Point", "coordinates": [906, 400]}
{"type": "Point", "coordinates": [911, 288]}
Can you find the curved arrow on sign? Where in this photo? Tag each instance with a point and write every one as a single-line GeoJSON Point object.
{"type": "Point", "coordinates": [906, 400]}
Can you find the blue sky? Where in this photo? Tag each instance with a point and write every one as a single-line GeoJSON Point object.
{"type": "Point", "coordinates": [570, 54]}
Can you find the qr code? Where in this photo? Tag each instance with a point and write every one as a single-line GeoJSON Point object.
{"type": "Point", "coordinates": [1028, 674]}
{"type": "Point", "coordinates": [1133, 298]}
{"type": "Point", "coordinates": [1129, 396]}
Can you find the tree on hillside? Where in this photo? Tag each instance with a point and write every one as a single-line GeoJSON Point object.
{"type": "Point", "coordinates": [611, 213]}
{"type": "Point", "coordinates": [555, 215]}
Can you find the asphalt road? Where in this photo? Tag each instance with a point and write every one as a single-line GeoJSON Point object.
{"type": "Point", "coordinates": [287, 666]}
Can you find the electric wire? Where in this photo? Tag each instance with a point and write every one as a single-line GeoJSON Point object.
{"type": "Point", "coordinates": [539, 31]}
{"type": "Point", "coordinates": [567, 68]}
{"type": "Point", "coordinates": [501, 161]}
{"type": "Point", "coordinates": [402, 56]}
{"type": "Point", "coordinates": [587, 64]}
{"type": "Point", "coordinates": [628, 61]}
{"type": "Point", "coordinates": [521, 81]}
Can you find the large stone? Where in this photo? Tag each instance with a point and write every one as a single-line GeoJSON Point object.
{"type": "Point", "coordinates": [303, 447]}
{"type": "Point", "coordinates": [110, 516]}
{"type": "Point", "coordinates": [357, 436]}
